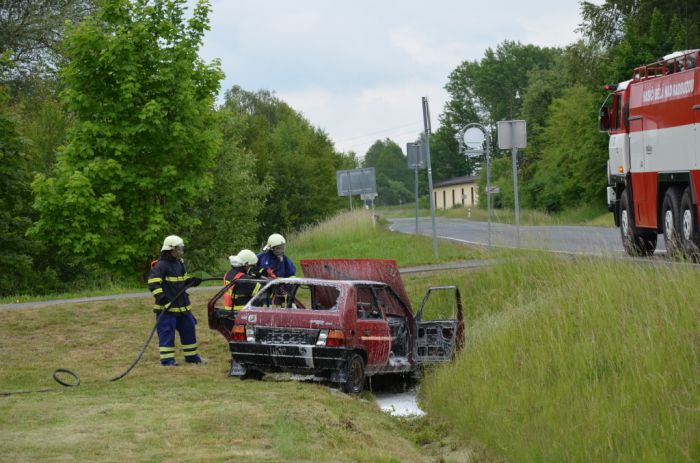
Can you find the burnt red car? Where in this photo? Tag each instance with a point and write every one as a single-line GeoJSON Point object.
{"type": "Point", "coordinates": [346, 319]}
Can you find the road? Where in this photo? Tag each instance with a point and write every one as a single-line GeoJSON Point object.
{"type": "Point", "coordinates": [564, 238]}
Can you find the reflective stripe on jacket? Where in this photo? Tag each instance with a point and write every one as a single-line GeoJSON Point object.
{"type": "Point", "coordinates": [167, 278]}
{"type": "Point", "coordinates": [238, 295]}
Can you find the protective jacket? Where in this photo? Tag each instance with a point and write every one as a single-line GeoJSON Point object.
{"type": "Point", "coordinates": [273, 267]}
{"type": "Point", "coordinates": [243, 290]}
{"type": "Point", "coordinates": [167, 278]}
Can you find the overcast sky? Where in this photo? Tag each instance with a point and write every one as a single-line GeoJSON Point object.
{"type": "Point", "coordinates": [358, 69]}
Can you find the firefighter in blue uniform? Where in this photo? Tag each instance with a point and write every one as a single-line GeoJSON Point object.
{"type": "Point", "coordinates": [273, 262]}
{"type": "Point", "coordinates": [167, 279]}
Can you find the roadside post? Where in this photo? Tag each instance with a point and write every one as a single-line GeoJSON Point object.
{"type": "Point", "coordinates": [356, 182]}
{"type": "Point", "coordinates": [513, 135]}
{"type": "Point", "coordinates": [416, 160]}
{"type": "Point", "coordinates": [474, 140]}
{"type": "Point", "coordinates": [426, 125]}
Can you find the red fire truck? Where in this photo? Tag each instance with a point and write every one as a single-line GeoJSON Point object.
{"type": "Point", "coordinates": [654, 155]}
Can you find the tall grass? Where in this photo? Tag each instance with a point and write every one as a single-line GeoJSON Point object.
{"type": "Point", "coordinates": [359, 234]}
{"type": "Point", "coordinates": [591, 360]}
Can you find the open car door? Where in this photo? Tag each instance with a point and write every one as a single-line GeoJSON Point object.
{"type": "Point", "coordinates": [439, 325]}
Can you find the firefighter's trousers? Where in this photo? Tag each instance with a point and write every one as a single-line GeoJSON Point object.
{"type": "Point", "coordinates": [185, 324]}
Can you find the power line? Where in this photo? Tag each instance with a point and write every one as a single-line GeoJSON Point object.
{"type": "Point", "coordinates": [367, 143]}
{"type": "Point", "coordinates": [380, 131]}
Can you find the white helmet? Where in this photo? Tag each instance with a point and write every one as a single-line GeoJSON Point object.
{"type": "Point", "coordinates": [234, 261]}
{"type": "Point", "coordinates": [171, 242]}
{"type": "Point", "coordinates": [274, 240]}
{"type": "Point", "coordinates": [247, 257]}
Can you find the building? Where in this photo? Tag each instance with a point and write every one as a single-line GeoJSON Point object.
{"type": "Point", "coordinates": [457, 192]}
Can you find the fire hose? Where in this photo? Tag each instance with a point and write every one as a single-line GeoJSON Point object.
{"type": "Point", "coordinates": [76, 379]}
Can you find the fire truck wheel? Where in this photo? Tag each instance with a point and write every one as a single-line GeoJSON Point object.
{"type": "Point", "coordinates": [671, 219]}
{"type": "Point", "coordinates": [689, 227]}
{"type": "Point", "coordinates": [355, 374]}
{"type": "Point", "coordinates": [636, 242]}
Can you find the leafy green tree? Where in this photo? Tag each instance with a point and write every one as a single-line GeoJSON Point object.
{"type": "Point", "coordinates": [571, 170]}
{"type": "Point", "coordinates": [15, 211]}
{"type": "Point", "coordinates": [394, 178]}
{"type": "Point", "coordinates": [229, 220]}
{"type": "Point", "coordinates": [637, 32]}
{"type": "Point", "coordinates": [491, 86]}
{"type": "Point", "coordinates": [31, 32]}
{"type": "Point", "coordinates": [446, 160]}
{"type": "Point", "coordinates": [294, 158]}
{"type": "Point", "coordinates": [141, 152]}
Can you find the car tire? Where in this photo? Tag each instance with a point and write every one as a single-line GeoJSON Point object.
{"type": "Point", "coordinates": [256, 375]}
{"type": "Point", "coordinates": [354, 375]}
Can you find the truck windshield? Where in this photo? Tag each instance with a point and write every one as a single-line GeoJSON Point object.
{"type": "Point", "coordinates": [297, 296]}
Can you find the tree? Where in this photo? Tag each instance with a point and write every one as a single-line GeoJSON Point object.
{"type": "Point", "coordinates": [636, 32]}
{"type": "Point", "coordinates": [571, 170]}
{"type": "Point", "coordinates": [15, 249]}
{"type": "Point", "coordinates": [141, 152]}
{"type": "Point", "coordinates": [394, 179]}
{"type": "Point", "coordinates": [229, 220]}
{"type": "Point", "coordinates": [491, 86]}
{"type": "Point", "coordinates": [31, 32]}
{"type": "Point", "coordinates": [294, 158]}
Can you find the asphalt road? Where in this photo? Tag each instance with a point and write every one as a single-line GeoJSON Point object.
{"type": "Point", "coordinates": [565, 238]}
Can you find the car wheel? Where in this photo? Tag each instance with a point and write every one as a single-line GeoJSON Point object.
{"type": "Point", "coordinates": [636, 242]}
{"type": "Point", "coordinates": [689, 227]}
{"type": "Point", "coordinates": [354, 375]}
{"type": "Point", "coordinates": [670, 217]}
{"type": "Point", "coordinates": [256, 375]}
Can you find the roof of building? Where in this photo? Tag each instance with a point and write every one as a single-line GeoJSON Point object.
{"type": "Point", "coordinates": [458, 181]}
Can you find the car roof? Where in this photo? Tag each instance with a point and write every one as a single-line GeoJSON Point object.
{"type": "Point", "coordinates": [324, 282]}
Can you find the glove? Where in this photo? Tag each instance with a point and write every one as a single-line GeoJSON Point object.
{"type": "Point", "coordinates": [194, 281]}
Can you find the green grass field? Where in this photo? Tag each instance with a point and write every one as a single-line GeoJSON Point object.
{"type": "Point", "coordinates": [585, 360]}
{"type": "Point", "coordinates": [566, 360]}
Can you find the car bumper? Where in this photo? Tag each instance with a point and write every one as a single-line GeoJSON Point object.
{"type": "Point", "coordinates": [285, 357]}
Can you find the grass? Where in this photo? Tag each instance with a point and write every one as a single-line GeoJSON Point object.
{"type": "Point", "coordinates": [358, 235]}
{"type": "Point", "coordinates": [590, 360]}
{"type": "Point", "coordinates": [584, 215]}
{"type": "Point", "coordinates": [187, 413]}
{"type": "Point", "coordinates": [586, 359]}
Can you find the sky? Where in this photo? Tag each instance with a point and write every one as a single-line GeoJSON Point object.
{"type": "Point", "coordinates": [359, 69]}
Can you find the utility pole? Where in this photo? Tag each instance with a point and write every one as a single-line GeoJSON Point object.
{"type": "Point", "coordinates": [426, 125]}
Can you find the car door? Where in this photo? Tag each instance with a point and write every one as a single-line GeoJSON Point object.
{"type": "Point", "coordinates": [439, 325]}
{"type": "Point", "coordinates": [372, 329]}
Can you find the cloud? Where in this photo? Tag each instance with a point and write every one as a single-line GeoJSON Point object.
{"type": "Point", "coordinates": [358, 69]}
{"type": "Point", "coordinates": [361, 117]}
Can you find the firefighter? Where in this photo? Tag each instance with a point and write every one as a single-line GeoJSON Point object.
{"type": "Point", "coordinates": [273, 262]}
{"type": "Point", "coordinates": [243, 267]}
{"type": "Point", "coordinates": [167, 281]}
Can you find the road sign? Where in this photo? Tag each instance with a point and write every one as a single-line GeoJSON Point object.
{"type": "Point", "coordinates": [493, 190]}
{"type": "Point", "coordinates": [415, 155]}
{"type": "Point", "coordinates": [512, 129]}
{"type": "Point", "coordinates": [356, 181]}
